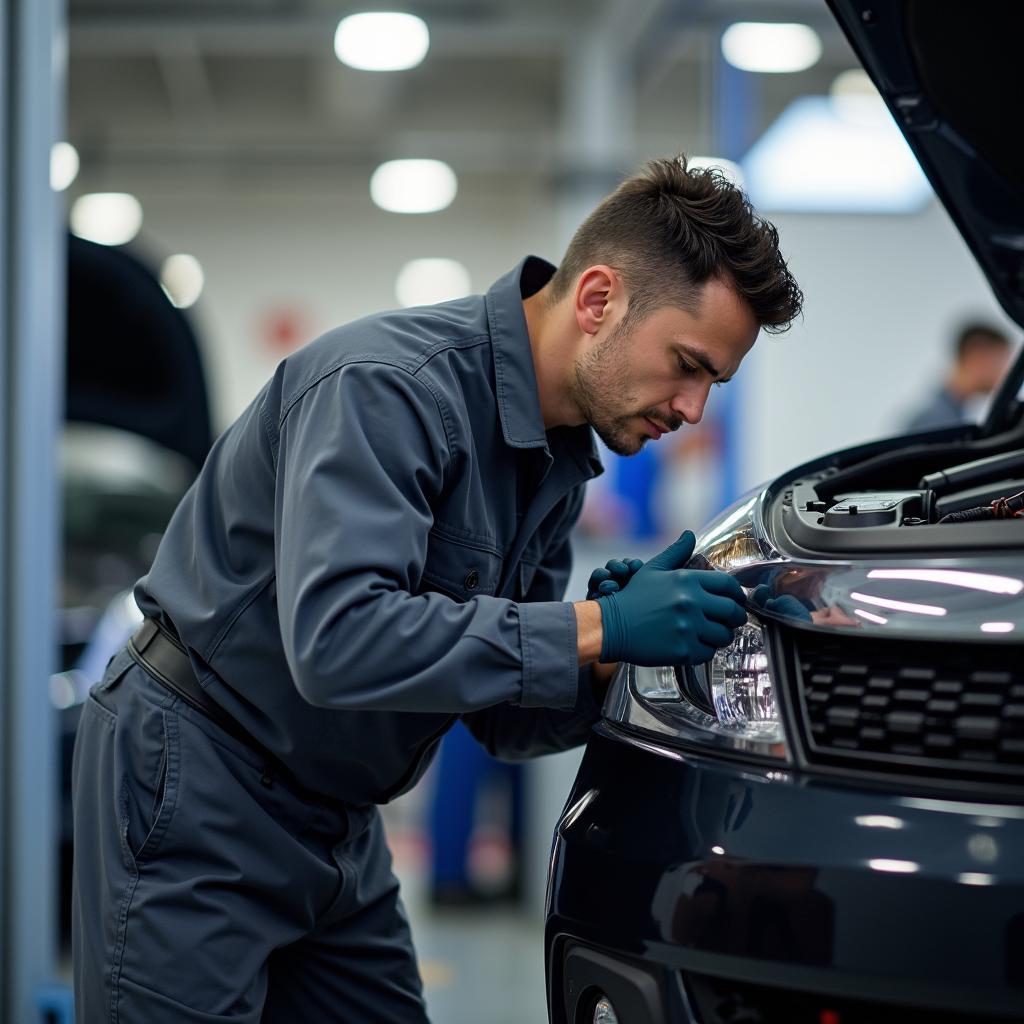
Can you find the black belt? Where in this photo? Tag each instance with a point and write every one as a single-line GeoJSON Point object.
{"type": "Point", "coordinates": [163, 656]}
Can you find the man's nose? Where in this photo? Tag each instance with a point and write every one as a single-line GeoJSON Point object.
{"type": "Point", "coordinates": [689, 404]}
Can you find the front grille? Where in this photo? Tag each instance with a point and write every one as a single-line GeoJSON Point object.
{"type": "Point", "coordinates": [906, 706]}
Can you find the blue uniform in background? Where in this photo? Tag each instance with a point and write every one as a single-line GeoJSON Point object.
{"type": "Point", "coordinates": [378, 547]}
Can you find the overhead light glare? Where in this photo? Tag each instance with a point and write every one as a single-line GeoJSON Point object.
{"type": "Point", "coordinates": [900, 867]}
{"type": "Point", "coordinates": [997, 627]}
{"type": "Point", "coordinates": [423, 282]}
{"type": "Point", "coordinates": [773, 47]}
{"type": "Point", "coordinates": [64, 164]}
{"type": "Point", "coordinates": [880, 620]}
{"type": "Point", "coordinates": [812, 160]}
{"type": "Point", "coordinates": [731, 170]}
{"type": "Point", "coordinates": [954, 577]}
{"type": "Point", "coordinates": [109, 218]}
{"type": "Point", "coordinates": [855, 99]}
{"type": "Point", "coordinates": [879, 821]}
{"type": "Point", "coordinates": [182, 279]}
{"type": "Point", "coordinates": [413, 186]}
{"type": "Point", "coordinates": [381, 41]}
{"type": "Point", "coordinates": [899, 606]}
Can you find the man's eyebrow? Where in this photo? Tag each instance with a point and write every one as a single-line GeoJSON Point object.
{"type": "Point", "coordinates": [699, 357]}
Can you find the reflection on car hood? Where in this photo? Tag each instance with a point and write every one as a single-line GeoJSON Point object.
{"type": "Point", "coordinates": [949, 599]}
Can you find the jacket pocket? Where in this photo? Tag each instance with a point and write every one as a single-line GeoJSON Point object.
{"type": "Point", "coordinates": [461, 569]}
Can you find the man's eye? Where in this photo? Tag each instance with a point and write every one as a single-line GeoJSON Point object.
{"type": "Point", "coordinates": [685, 367]}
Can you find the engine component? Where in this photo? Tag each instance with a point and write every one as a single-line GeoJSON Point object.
{"type": "Point", "coordinates": [977, 472]}
{"type": "Point", "coordinates": [1002, 508]}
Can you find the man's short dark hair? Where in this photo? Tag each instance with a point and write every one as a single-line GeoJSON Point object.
{"type": "Point", "coordinates": [974, 336]}
{"type": "Point", "coordinates": [668, 230]}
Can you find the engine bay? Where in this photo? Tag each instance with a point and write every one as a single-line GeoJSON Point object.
{"type": "Point", "coordinates": [910, 499]}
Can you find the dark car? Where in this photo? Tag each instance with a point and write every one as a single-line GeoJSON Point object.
{"type": "Point", "coordinates": [825, 824]}
{"type": "Point", "coordinates": [136, 431]}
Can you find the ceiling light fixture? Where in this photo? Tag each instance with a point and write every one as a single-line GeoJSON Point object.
{"type": "Point", "coordinates": [182, 279]}
{"type": "Point", "coordinates": [423, 282]}
{"type": "Point", "coordinates": [773, 47]}
{"type": "Point", "coordinates": [64, 164]}
{"type": "Point", "coordinates": [413, 186]}
{"type": "Point", "coordinates": [381, 41]}
{"type": "Point", "coordinates": [109, 218]}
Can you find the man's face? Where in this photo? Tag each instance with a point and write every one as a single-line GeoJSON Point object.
{"type": "Point", "coordinates": [987, 365]}
{"type": "Point", "coordinates": [637, 383]}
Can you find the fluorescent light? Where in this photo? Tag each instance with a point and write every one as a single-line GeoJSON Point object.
{"type": "Point", "coordinates": [899, 606]}
{"type": "Point", "coordinates": [110, 218]}
{"type": "Point", "coordinates": [955, 578]}
{"type": "Point", "coordinates": [731, 171]}
{"type": "Point", "coordinates": [413, 186]}
{"type": "Point", "coordinates": [182, 279]}
{"type": "Point", "coordinates": [425, 281]}
{"type": "Point", "coordinates": [64, 165]}
{"type": "Point", "coordinates": [771, 47]}
{"type": "Point", "coordinates": [902, 867]}
{"type": "Point", "coordinates": [813, 161]}
{"type": "Point", "coordinates": [719, 850]}
{"type": "Point", "coordinates": [381, 41]}
{"type": "Point", "coordinates": [997, 627]}
{"type": "Point", "coordinates": [975, 878]}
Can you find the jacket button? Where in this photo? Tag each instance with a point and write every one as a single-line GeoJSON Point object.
{"type": "Point", "coordinates": [472, 580]}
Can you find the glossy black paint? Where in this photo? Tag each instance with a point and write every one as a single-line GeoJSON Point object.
{"type": "Point", "coordinates": [764, 875]}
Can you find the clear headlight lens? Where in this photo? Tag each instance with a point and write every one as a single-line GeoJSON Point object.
{"type": "Point", "coordinates": [729, 703]}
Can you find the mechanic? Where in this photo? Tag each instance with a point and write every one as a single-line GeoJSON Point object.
{"type": "Point", "coordinates": [377, 547]}
{"type": "Point", "coordinates": [981, 354]}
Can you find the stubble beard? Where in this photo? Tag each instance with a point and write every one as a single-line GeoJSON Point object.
{"type": "Point", "coordinates": [599, 391]}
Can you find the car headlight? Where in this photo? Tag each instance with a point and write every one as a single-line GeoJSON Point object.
{"type": "Point", "coordinates": [731, 702]}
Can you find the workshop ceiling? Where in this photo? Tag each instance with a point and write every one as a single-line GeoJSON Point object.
{"type": "Point", "coordinates": [253, 86]}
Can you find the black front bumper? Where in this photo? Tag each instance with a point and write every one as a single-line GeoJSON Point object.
{"type": "Point", "coordinates": [703, 890]}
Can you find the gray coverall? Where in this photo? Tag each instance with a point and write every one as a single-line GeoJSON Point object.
{"type": "Point", "coordinates": [377, 546]}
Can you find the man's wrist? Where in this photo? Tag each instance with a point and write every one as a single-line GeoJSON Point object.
{"type": "Point", "coordinates": [589, 630]}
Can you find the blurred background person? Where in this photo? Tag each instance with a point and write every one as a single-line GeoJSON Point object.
{"type": "Point", "coordinates": [981, 354]}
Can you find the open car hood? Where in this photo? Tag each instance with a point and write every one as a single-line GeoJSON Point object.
{"type": "Point", "coordinates": [132, 357]}
{"type": "Point", "coordinates": [950, 74]}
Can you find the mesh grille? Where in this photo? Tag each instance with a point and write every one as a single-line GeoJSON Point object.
{"type": "Point", "coordinates": [907, 706]}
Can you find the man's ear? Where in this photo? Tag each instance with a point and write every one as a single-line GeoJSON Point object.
{"type": "Point", "coordinates": [598, 291]}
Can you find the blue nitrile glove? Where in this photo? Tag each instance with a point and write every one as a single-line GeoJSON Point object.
{"type": "Point", "coordinates": [669, 615]}
{"type": "Point", "coordinates": [787, 605]}
{"type": "Point", "coordinates": [614, 576]}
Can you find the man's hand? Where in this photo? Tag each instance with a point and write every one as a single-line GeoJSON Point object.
{"type": "Point", "coordinates": [669, 615]}
{"type": "Point", "coordinates": [614, 576]}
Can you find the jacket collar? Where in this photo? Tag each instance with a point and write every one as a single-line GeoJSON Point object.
{"type": "Point", "coordinates": [515, 378]}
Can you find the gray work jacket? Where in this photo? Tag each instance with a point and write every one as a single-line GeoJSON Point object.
{"type": "Point", "coordinates": [380, 544]}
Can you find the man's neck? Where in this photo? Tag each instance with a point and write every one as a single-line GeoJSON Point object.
{"type": "Point", "coordinates": [552, 343]}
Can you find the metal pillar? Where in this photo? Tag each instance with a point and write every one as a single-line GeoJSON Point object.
{"type": "Point", "coordinates": [32, 60]}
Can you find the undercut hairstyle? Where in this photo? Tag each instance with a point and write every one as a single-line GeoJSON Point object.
{"type": "Point", "coordinates": [979, 336]}
{"type": "Point", "coordinates": [670, 229]}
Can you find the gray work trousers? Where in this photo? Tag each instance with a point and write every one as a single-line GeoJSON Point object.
{"type": "Point", "coordinates": [206, 889]}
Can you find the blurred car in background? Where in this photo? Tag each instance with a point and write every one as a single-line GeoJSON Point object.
{"type": "Point", "coordinates": [825, 824]}
{"type": "Point", "coordinates": [137, 429]}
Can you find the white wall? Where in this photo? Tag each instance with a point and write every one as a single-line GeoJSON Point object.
{"type": "Point", "coordinates": [883, 295]}
{"type": "Point", "coordinates": [329, 253]}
